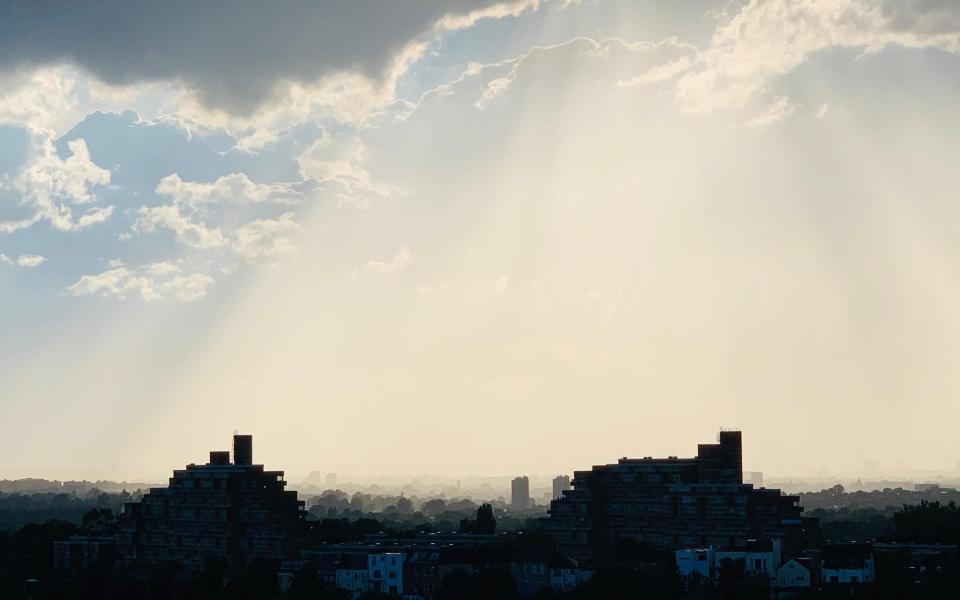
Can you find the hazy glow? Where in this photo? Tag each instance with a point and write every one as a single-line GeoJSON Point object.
{"type": "Point", "coordinates": [579, 231]}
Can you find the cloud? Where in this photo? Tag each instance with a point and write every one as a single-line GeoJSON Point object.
{"type": "Point", "coordinates": [29, 261]}
{"type": "Point", "coordinates": [160, 281]}
{"type": "Point", "coordinates": [35, 99]}
{"type": "Point", "coordinates": [235, 187]}
{"type": "Point", "coordinates": [768, 38]}
{"type": "Point", "coordinates": [339, 159]}
{"type": "Point", "coordinates": [377, 267]}
{"type": "Point", "coordinates": [51, 187]}
{"type": "Point", "coordinates": [234, 57]}
{"type": "Point", "coordinates": [659, 61]}
{"type": "Point", "coordinates": [265, 238]}
{"type": "Point", "coordinates": [216, 215]}
{"type": "Point", "coordinates": [186, 226]}
{"type": "Point", "coordinates": [24, 261]}
{"type": "Point", "coordinates": [781, 109]}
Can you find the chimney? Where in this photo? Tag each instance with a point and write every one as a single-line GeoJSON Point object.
{"type": "Point", "coordinates": [219, 457]}
{"type": "Point", "coordinates": [243, 449]}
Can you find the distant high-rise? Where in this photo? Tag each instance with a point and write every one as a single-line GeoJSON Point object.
{"type": "Point", "coordinates": [331, 481]}
{"type": "Point", "coordinates": [560, 483]}
{"type": "Point", "coordinates": [219, 511]}
{"type": "Point", "coordinates": [754, 478]}
{"type": "Point", "coordinates": [520, 493]}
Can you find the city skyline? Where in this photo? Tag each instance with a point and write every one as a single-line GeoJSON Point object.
{"type": "Point", "coordinates": [507, 237]}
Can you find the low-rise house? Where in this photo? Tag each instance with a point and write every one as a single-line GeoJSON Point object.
{"type": "Point", "coordinates": [693, 563]}
{"type": "Point", "coordinates": [566, 574]}
{"type": "Point", "coordinates": [353, 574]}
{"type": "Point", "coordinates": [847, 564]}
{"type": "Point", "coordinates": [421, 575]}
{"type": "Point", "coordinates": [385, 572]}
{"type": "Point", "coordinates": [795, 574]}
{"type": "Point", "coordinates": [77, 553]}
{"type": "Point", "coordinates": [530, 569]}
{"type": "Point", "coordinates": [758, 557]}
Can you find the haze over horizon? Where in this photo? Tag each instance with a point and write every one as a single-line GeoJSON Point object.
{"type": "Point", "coordinates": [478, 237]}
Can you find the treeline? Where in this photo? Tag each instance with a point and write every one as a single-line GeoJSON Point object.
{"type": "Point", "coordinates": [889, 499]}
{"type": "Point", "coordinates": [432, 515]}
{"type": "Point", "coordinates": [17, 510]}
{"type": "Point", "coordinates": [80, 487]}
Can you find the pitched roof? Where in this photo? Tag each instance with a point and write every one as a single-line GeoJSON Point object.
{"type": "Point", "coordinates": [846, 556]}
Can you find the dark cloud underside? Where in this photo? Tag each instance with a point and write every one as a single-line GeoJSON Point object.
{"type": "Point", "coordinates": [231, 53]}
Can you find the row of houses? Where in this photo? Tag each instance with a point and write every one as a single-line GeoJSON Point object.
{"type": "Point", "coordinates": [837, 564]}
{"type": "Point", "coordinates": [416, 572]}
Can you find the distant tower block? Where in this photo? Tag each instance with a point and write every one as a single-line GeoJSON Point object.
{"type": "Point", "coordinates": [520, 493]}
{"type": "Point", "coordinates": [331, 480]}
{"type": "Point", "coordinates": [560, 483]}
{"type": "Point", "coordinates": [243, 449]}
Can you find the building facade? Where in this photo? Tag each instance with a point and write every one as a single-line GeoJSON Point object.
{"type": "Point", "coordinates": [520, 493]}
{"type": "Point", "coordinates": [221, 511]}
{"type": "Point", "coordinates": [561, 483]}
{"type": "Point", "coordinates": [671, 503]}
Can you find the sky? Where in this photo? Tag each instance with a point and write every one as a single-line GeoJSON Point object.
{"type": "Point", "coordinates": [470, 237]}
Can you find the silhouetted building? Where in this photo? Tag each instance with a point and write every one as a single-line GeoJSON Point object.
{"type": "Point", "coordinates": [845, 564]}
{"type": "Point", "coordinates": [214, 512]}
{"type": "Point", "coordinates": [77, 553]}
{"type": "Point", "coordinates": [672, 503]}
{"type": "Point", "coordinates": [520, 493]}
{"type": "Point", "coordinates": [560, 483]}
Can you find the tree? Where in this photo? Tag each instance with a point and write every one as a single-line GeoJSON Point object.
{"type": "Point", "coordinates": [486, 523]}
{"type": "Point", "coordinates": [98, 521]}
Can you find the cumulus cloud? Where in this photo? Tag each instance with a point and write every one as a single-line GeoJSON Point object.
{"type": "Point", "coordinates": [196, 210]}
{"type": "Point", "coordinates": [36, 98]}
{"type": "Point", "coordinates": [51, 188]}
{"type": "Point", "coordinates": [621, 62]}
{"type": "Point", "coordinates": [30, 261]}
{"type": "Point", "coordinates": [186, 226]}
{"type": "Point", "coordinates": [233, 57]}
{"type": "Point", "coordinates": [340, 160]}
{"type": "Point", "coordinates": [399, 262]}
{"type": "Point", "coordinates": [779, 110]}
{"type": "Point", "coordinates": [265, 238]}
{"type": "Point", "coordinates": [25, 261]}
{"type": "Point", "coordinates": [768, 38]}
{"type": "Point", "coordinates": [235, 187]}
{"type": "Point", "coordinates": [160, 281]}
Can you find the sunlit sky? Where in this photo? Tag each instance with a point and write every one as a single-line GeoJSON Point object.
{"type": "Point", "coordinates": [473, 237]}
